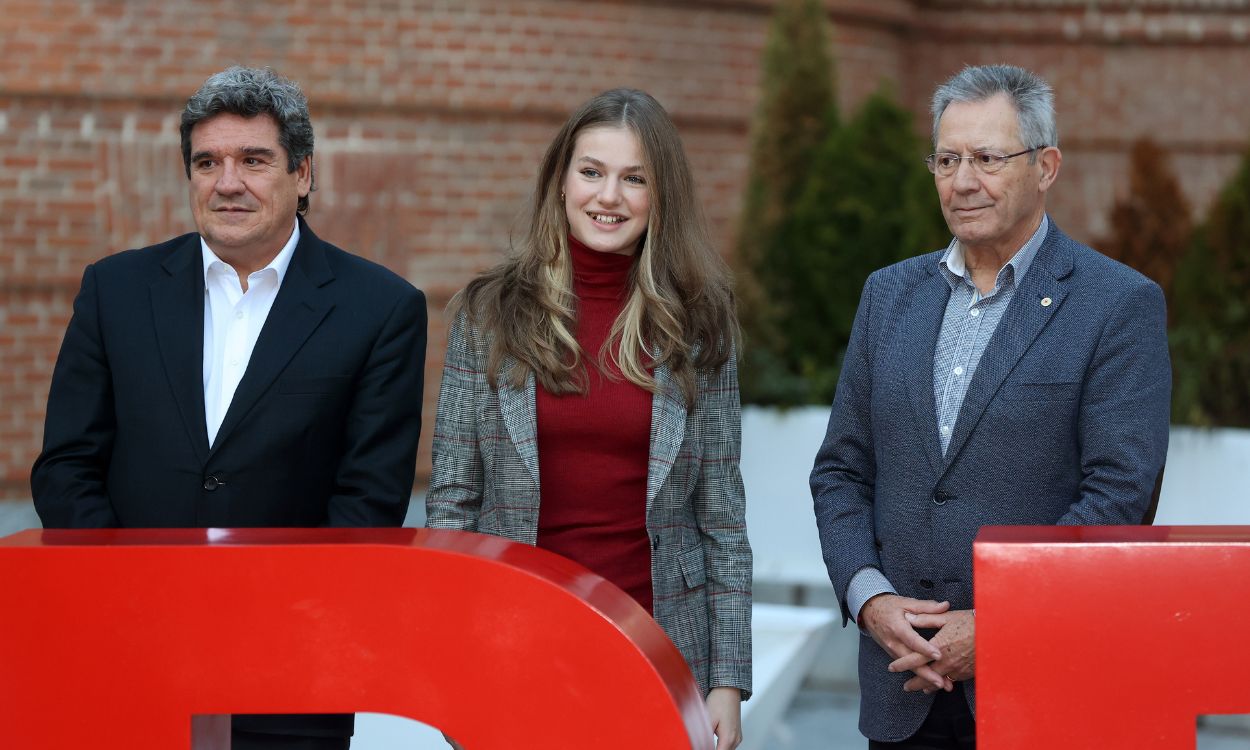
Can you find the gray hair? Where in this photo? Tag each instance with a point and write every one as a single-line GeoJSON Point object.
{"type": "Point", "coordinates": [1029, 93]}
{"type": "Point", "coordinates": [249, 92]}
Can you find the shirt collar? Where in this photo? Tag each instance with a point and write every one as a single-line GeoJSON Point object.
{"type": "Point", "coordinates": [956, 271]}
{"type": "Point", "coordinates": [280, 263]}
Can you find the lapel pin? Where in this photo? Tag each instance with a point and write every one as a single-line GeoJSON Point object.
{"type": "Point", "coordinates": [1045, 301]}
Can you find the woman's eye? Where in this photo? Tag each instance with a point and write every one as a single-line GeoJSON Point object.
{"type": "Point", "coordinates": [636, 179]}
{"type": "Point", "coordinates": [588, 172]}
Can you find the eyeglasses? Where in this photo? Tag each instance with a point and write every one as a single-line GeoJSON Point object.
{"type": "Point", "coordinates": [946, 164]}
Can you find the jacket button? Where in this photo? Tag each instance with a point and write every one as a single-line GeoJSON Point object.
{"type": "Point", "coordinates": [211, 483]}
{"type": "Point", "coordinates": [925, 583]}
{"type": "Point", "coordinates": [655, 543]}
{"type": "Point", "coordinates": [941, 497]}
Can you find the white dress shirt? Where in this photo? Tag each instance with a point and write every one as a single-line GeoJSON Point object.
{"type": "Point", "coordinates": [232, 322]}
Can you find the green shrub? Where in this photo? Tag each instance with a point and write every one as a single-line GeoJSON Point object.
{"type": "Point", "coordinates": [1151, 227]}
{"type": "Point", "coordinates": [868, 202]}
{"type": "Point", "coordinates": [795, 113]}
{"type": "Point", "coordinates": [1211, 335]}
{"type": "Point", "coordinates": [825, 206]}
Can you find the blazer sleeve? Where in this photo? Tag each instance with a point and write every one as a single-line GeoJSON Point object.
{"type": "Point", "coordinates": [68, 481]}
{"type": "Point", "coordinates": [844, 475]}
{"type": "Point", "coordinates": [454, 499]}
{"type": "Point", "coordinates": [1122, 427]}
{"type": "Point", "coordinates": [373, 484]}
{"type": "Point", "coordinates": [720, 511]}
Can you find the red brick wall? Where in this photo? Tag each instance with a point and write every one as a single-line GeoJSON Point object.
{"type": "Point", "coordinates": [431, 117]}
{"type": "Point", "coordinates": [1178, 77]}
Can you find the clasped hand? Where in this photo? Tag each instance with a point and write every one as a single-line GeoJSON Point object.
{"type": "Point", "coordinates": [937, 663]}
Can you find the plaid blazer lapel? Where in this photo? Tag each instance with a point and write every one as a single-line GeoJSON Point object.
{"type": "Point", "coordinates": [668, 430]}
{"type": "Point", "coordinates": [520, 416]}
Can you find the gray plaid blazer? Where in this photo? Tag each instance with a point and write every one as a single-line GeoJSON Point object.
{"type": "Point", "coordinates": [485, 479]}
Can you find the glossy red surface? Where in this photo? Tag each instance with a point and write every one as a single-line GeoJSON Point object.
{"type": "Point", "coordinates": [1109, 637]}
{"type": "Point", "coordinates": [115, 639]}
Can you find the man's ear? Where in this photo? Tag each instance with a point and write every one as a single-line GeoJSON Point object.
{"type": "Point", "coordinates": [1050, 159]}
{"type": "Point", "coordinates": [303, 176]}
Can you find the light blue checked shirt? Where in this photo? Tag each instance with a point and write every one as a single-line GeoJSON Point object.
{"type": "Point", "coordinates": [967, 325]}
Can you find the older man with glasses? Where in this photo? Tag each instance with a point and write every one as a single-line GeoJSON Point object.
{"type": "Point", "coordinates": [1015, 377]}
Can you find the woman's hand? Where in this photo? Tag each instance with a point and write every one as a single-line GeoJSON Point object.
{"type": "Point", "coordinates": [724, 706]}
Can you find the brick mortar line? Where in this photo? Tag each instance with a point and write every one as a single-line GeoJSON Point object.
{"type": "Point", "coordinates": [705, 123]}
{"type": "Point", "coordinates": [332, 104]}
{"type": "Point", "coordinates": [1201, 7]}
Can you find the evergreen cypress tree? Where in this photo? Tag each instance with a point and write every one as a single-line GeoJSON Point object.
{"type": "Point", "coordinates": [865, 201]}
{"type": "Point", "coordinates": [1151, 229]}
{"type": "Point", "coordinates": [795, 113]}
{"type": "Point", "coordinates": [868, 202]}
{"type": "Point", "coordinates": [1211, 339]}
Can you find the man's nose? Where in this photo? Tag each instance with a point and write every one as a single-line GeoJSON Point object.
{"type": "Point", "coordinates": [966, 178]}
{"type": "Point", "coordinates": [230, 181]}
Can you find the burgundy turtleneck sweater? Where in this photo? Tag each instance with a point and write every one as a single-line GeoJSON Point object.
{"type": "Point", "coordinates": [593, 449]}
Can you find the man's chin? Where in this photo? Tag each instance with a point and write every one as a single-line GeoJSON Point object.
{"type": "Point", "coordinates": [971, 220]}
{"type": "Point", "coordinates": [229, 236]}
{"type": "Point", "coordinates": [971, 228]}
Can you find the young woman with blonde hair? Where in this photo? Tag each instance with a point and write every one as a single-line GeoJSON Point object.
{"type": "Point", "coordinates": [589, 400]}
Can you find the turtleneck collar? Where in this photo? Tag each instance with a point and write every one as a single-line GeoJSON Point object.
{"type": "Point", "coordinates": [596, 274]}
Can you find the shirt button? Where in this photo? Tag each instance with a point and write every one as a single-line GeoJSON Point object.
{"type": "Point", "coordinates": [234, 363]}
{"type": "Point", "coordinates": [238, 315]}
{"type": "Point", "coordinates": [975, 313]}
{"type": "Point", "coordinates": [946, 430]}
{"type": "Point", "coordinates": [959, 371]}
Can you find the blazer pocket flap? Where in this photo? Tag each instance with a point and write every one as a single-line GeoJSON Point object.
{"type": "Point", "coordinates": [692, 570]}
{"type": "Point", "coordinates": [1043, 391]}
{"type": "Point", "coordinates": [326, 384]}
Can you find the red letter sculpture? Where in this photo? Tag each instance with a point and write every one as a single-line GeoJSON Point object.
{"type": "Point", "coordinates": [114, 640]}
{"type": "Point", "coordinates": [1109, 637]}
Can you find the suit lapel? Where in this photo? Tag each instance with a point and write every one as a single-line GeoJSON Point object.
{"type": "Point", "coordinates": [178, 315]}
{"type": "Point", "coordinates": [921, 326]}
{"type": "Point", "coordinates": [1023, 320]}
{"type": "Point", "coordinates": [668, 430]}
{"type": "Point", "coordinates": [297, 311]}
{"type": "Point", "coordinates": [520, 416]}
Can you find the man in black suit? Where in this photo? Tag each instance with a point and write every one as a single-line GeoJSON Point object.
{"type": "Point", "coordinates": [249, 374]}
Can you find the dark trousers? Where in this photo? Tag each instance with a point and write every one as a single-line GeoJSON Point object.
{"type": "Point", "coordinates": [258, 741]}
{"type": "Point", "coordinates": [949, 726]}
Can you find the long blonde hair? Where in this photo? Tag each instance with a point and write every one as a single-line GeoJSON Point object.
{"type": "Point", "coordinates": [679, 310]}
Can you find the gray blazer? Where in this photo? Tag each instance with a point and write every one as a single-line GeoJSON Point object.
{"type": "Point", "coordinates": [1065, 422]}
{"type": "Point", "coordinates": [485, 479]}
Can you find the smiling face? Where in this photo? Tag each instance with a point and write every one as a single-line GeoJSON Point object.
{"type": "Point", "coordinates": [606, 198]}
{"type": "Point", "coordinates": [994, 214]}
{"type": "Point", "coordinates": [242, 196]}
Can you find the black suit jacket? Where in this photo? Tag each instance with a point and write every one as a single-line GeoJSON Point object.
{"type": "Point", "coordinates": [322, 430]}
